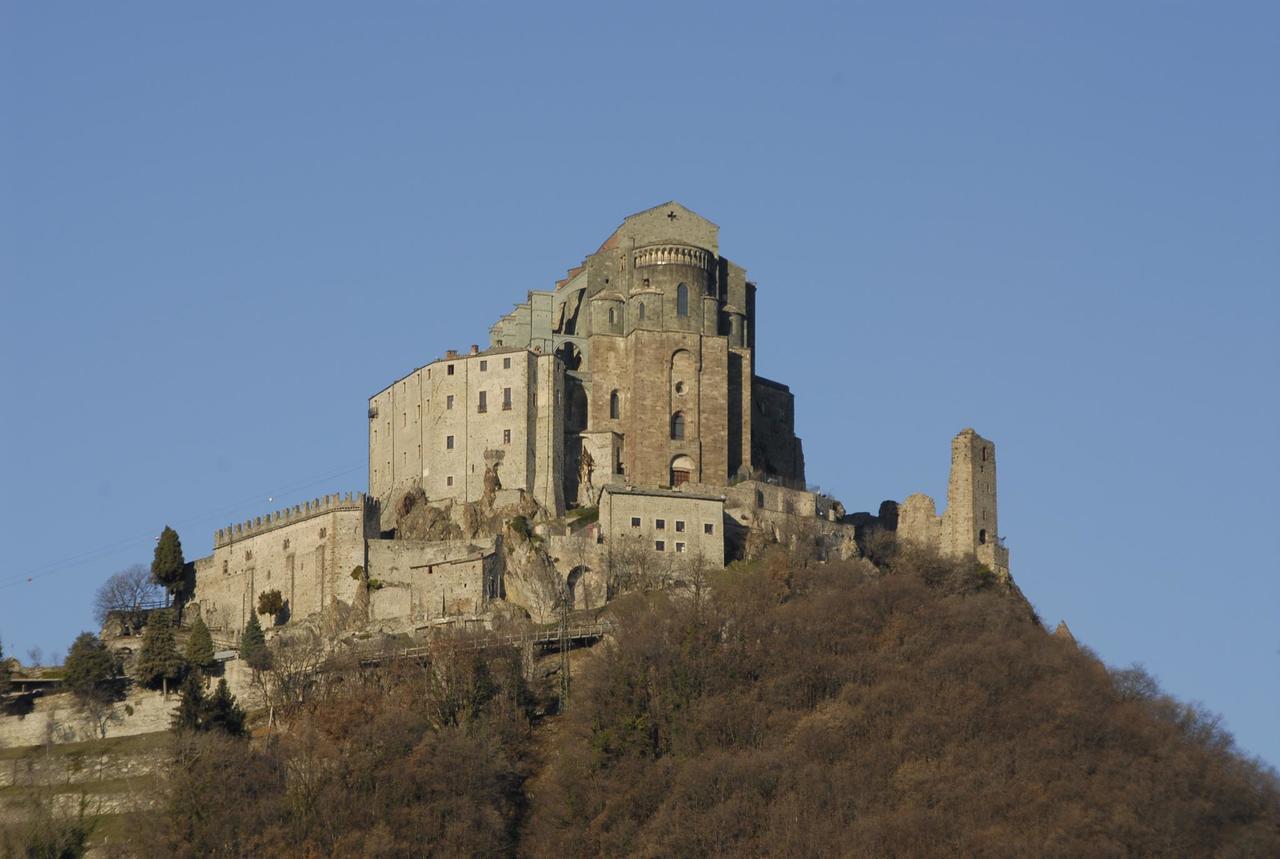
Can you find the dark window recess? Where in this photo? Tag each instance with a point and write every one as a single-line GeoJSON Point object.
{"type": "Point", "coordinates": [483, 405]}
{"type": "Point", "coordinates": [448, 442]}
{"type": "Point", "coordinates": [506, 399]}
{"type": "Point", "coordinates": [677, 426]}
{"type": "Point", "coordinates": [635, 521]}
{"type": "Point", "coordinates": [679, 525]}
{"type": "Point", "coordinates": [682, 300]}
{"type": "Point", "coordinates": [660, 545]}
{"type": "Point", "coordinates": [448, 370]}
{"type": "Point", "coordinates": [708, 528]}
{"type": "Point", "coordinates": [660, 524]}
{"type": "Point", "coordinates": [615, 406]}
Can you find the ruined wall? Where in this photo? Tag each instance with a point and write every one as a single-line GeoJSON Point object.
{"type": "Point", "coordinates": [427, 581]}
{"type": "Point", "coordinates": [968, 527]}
{"type": "Point", "coordinates": [306, 552]}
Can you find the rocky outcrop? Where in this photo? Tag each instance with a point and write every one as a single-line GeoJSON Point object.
{"type": "Point", "coordinates": [530, 575]}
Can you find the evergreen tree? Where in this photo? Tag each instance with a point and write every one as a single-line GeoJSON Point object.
{"type": "Point", "coordinates": [200, 646]}
{"type": "Point", "coordinates": [222, 713]}
{"type": "Point", "coordinates": [159, 662]}
{"type": "Point", "coordinates": [271, 603]}
{"type": "Point", "coordinates": [191, 706]}
{"type": "Point", "coordinates": [168, 566]}
{"type": "Point", "coordinates": [89, 669]}
{"type": "Point", "coordinates": [253, 646]}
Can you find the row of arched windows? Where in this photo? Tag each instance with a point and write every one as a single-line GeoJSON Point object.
{"type": "Point", "coordinates": [682, 306]}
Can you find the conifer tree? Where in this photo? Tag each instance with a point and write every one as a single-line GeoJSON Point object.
{"type": "Point", "coordinates": [89, 668]}
{"type": "Point", "coordinates": [222, 713]}
{"type": "Point", "coordinates": [159, 662]}
{"type": "Point", "coordinates": [253, 646]}
{"type": "Point", "coordinates": [191, 706]}
{"type": "Point", "coordinates": [200, 646]}
{"type": "Point", "coordinates": [168, 566]}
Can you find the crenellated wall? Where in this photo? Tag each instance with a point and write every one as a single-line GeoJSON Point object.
{"type": "Point", "coordinates": [288, 515]}
{"type": "Point", "coordinates": [306, 552]}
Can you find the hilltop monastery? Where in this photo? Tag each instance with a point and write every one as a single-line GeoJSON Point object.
{"type": "Point", "coordinates": [619, 413]}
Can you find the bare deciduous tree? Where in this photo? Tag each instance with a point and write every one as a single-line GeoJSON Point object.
{"type": "Point", "coordinates": [127, 593]}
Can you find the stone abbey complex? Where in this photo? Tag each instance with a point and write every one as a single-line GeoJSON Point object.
{"type": "Point", "coordinates": [615, 425]}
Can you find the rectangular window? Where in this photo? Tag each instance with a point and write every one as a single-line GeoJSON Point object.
{"type": "Point", "coordinates": [448, 401]}
{"type": "Point", "coordinates": [660, 545]}
{"type": "Point", "coordinates": [506, 399]}
{"type": "Point", "coordinates": [660, 524]}
{"type": "Point", "coordinates": [635, 521]}
{"type": "Point", "coordinates": [506, 436]}
{"type": "Point", "coordinates": [679, 525]}
{"type": "Point", "coordinates": [484, 402]}
{"type": "Point", "coordinates": [506, 363]}
{"type": "Point", "coordinates": [448, 370]}
{"type": "Point", "coordinates": [484, 365]}
{"type": "Point", "coordinates": [323, 531]}
{"type": "Point", "coordinates": [679, 547]}
{"type": "Point", "coordinates": [708, 528]}
{"type": "Point", "coordinates": [448, 442]}
{"type": "Point", "coordinates": [448, 481]}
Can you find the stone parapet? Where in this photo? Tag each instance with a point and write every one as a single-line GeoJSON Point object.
{"type": "Point", "coordinates": [289, 515]}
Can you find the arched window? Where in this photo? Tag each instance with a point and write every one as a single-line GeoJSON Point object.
{"type": "Point", "coordinates": [681, 470]}
{"type": "Point", "coordinates": [615, 406]}
{"type": "Point", "coordinates": [612, 318]}
{"type": "Point", "coordinates": [677, 426]}
{"type": "Point", "coordinates": [642, 310]}
{"type": "Point", "coordinates": [682, 300]}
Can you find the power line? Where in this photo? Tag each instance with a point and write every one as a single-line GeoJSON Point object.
{"type": "Point", "coordinates": [64, 564]}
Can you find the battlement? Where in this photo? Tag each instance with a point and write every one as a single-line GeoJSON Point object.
{"type": "Point", "coordinates": [289, 515]}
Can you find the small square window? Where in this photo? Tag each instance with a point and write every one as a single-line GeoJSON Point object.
{"type": "Point", "coordinates": [506, 363]}
{"type": "Point", "coordinates": [660, 524]}
{"type": "Point", "coordinates": [506, 436]}
{"type": "Point", "coordinates": [679, 525]}
{"type": "Point", "coordinates": [708, 528]}
{"type": "Point", "coordinates": [484, 365]}
{"type": "Point", "coordinates": [448, 370]}
{"type": "Point", "coordinates": [448, 442]}
{"type": "Point", "coordinates": [448, 481]}
{"type": "Point", "coordinates": [635, 521]}
{"type": "Point", "coordinates": [448, 401]}
{"type": "Point", "coordinates": [679, 547]}
{"type": "Point", "coordinates": [323, 531]}
{"type": "Point", "coordinates": [286, 544]}
{"type": "Point", "coordinates": [660, 545]}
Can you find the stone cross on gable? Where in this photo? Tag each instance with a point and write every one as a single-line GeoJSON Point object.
{"type": "Point", "coordinates": [672, 216]}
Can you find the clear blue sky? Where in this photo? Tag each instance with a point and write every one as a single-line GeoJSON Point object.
{"type": "Point", "coordinates": [222, 229]}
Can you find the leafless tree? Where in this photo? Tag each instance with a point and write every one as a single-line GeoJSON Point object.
{"type": "Point", "coordinates": [126, 593]}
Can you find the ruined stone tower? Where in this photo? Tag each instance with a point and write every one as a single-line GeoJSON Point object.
{"type": "Point", "coordinates": [969, 523]}
{"type": "Point", "coordinates": [968, 527]}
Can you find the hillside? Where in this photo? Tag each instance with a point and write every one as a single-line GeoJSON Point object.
{"type": "Point", "coordinates": [783, 709]}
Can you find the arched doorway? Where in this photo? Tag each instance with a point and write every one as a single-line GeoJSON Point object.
{"type": "Point", "coordinates": [681, 470]}
{"type": "Point", "coordinates": [575, 590]}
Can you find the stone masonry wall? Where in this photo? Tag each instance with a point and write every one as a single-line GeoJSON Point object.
{"type": "Point", "coordinates": [308, 558]}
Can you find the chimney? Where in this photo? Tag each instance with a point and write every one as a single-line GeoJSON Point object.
{"type": "Point", "coordinates": [452, 353]}
{"type": "Point", "coordinates": [475, 350]}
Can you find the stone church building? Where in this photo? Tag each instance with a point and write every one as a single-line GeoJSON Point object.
{"type": "Point", "coordinates": [639, 367]}
{"type": "Point", "coordinates": [629, 389]}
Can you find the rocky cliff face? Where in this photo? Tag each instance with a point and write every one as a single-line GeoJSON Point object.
{"type": "Point", "coordinates": [530, 576]}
